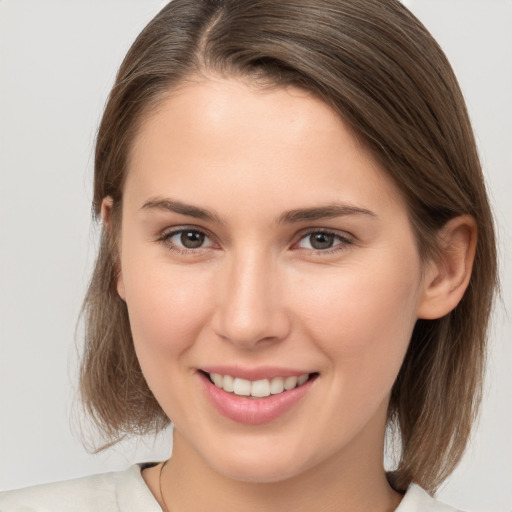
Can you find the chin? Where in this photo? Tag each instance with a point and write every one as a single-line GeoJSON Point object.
{"type": "Point", "coordinates": [260, 465]}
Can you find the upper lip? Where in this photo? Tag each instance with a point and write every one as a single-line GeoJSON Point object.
{"type": "Point", "coordinates": [256, 373]}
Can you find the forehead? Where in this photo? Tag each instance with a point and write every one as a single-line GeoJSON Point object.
{"type": "Point", "coordinates": [216, 107]}
{"type": "Point", "coordinates": [214, 132]}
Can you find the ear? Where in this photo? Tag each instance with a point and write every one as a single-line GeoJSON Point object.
{"type": "Point", "coordinates": [107, 206]}
{"type": "Point", "coordinates": [447, 277]}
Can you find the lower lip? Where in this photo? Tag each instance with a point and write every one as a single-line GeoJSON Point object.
{"type": "Point", "coordinates": [253, 411]}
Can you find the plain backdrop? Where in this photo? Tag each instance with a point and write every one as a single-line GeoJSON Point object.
{"type": "Point", "coordinates": [58, 59]}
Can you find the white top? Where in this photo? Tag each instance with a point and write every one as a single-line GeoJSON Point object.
{"type": "Point", "coordinates": [126, 491]}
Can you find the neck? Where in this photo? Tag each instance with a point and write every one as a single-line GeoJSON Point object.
{"type": "Point", "coordinates": [347, 482]}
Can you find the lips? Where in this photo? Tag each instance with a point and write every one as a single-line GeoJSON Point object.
{"type": "Point", "coordinates": [255, 400]}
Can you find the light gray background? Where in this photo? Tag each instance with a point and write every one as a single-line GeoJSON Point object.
{"type": "Point", "coordinates": [57, 62]}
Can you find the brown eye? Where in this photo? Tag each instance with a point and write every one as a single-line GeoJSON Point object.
{"type": "Point", "coordinates": [192, 239]}
{"type": "Point", "coordinates": [186, 240]}
{"type": "Point", "coordinates": [321, 241]}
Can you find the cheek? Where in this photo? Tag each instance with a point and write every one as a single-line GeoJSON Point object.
{"type": "Point", "coordinates": [167, 313]}
{"type": "Point", "coordinates": [363, 326]}
{"type": "Point", "coordinates": [167, 309]}
{"type": "Point", "coordinates": [362, 317]}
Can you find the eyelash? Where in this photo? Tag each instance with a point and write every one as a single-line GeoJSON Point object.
{"type": "Point", "coordinates": [343, 241]}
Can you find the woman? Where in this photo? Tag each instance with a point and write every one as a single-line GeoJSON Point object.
{"type": "Point", "coordinates": [297, 253]}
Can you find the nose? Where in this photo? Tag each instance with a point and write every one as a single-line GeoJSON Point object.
{"type": "Point", "coordinates": [250, 308]}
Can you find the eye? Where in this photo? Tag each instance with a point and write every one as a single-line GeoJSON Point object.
{"type": "Point", "coordinates": [186, 239]}
{"type": "Point", "coordinates": [322, 241]}
{"type": "Point", "coordinates": [189, 239]}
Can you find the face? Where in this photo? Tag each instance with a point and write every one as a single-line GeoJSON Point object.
{"type": "Point", "coordinates": [262, 246]}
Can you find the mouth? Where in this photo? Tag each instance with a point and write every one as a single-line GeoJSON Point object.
{"type": "Point", "coordinates": [257, 395]}
{"type": "Point", "coordinates": [260, 388]}
{"type": "Point", "coordinates": [259, 401]}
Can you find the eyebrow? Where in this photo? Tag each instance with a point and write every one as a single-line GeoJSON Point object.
{"type": "Point", "coordinates": [329, 211]}
{"type": "Point", "coordinates": [172, 205]}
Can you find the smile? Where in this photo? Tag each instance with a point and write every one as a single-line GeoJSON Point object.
{"type": "Point", "coordinates": [257, 388]}
{"type": "Point", "coordinates": [255, 400]}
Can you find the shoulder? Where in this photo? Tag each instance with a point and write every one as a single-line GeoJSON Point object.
{"type": "Point", "coordinates": [418, 500]}
{"type": "Point", "coordinates": [123, 491]}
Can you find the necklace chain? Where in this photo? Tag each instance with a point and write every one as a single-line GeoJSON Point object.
{"type": "Point", "coordinates": [160, 487]}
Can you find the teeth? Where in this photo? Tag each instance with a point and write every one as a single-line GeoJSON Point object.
{"type": "Point", "coordinates": [290, 383]}
{"type": "Point", "coordinates": [217, 379]}
{"type": "Point", "coordinates": [260, 388]}
{"type": "Point", "coordinates": [242, 387]}
{"type": "Point", "coordinates": [276, 385]}
{"type": "Point", "coordinates": [257, 388]}
{"type": "Point", "coordinates": [227, 383]}
{"type": "Point", "coordinates": [302, 379]}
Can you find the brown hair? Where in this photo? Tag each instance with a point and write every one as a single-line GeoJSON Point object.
{"type": "Point", "coordinates": [375, 64]}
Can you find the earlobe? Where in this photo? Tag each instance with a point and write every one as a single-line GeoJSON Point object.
{"type": "Point", "coordinates": [107, 206]}
{"type": "Point", "coordinates": [120, 286]}
{"type": "Point", "coordinates": [447, 277]}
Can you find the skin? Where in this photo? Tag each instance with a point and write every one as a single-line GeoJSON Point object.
{"type": "Point", "coordinates": [257, 293]}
